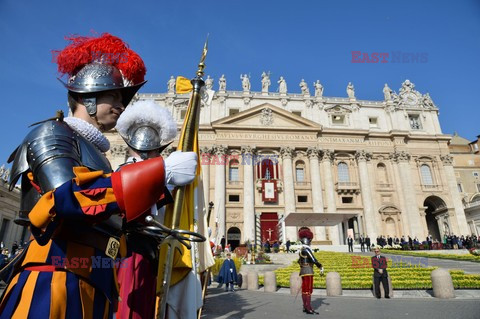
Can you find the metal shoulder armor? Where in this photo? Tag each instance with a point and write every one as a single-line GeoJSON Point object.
{"type": "Point", "coordinates": [50, 151]}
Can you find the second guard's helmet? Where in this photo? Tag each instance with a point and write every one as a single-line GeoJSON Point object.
{"type": "Point", "coordinates": [146, 126]}
{"type": "Point", "coordinates": [305, 235]}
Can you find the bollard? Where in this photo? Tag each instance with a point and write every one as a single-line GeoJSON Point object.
{"type": "Point", "coordinates": [295, 283]}
{"type": "Point", "coordinates": [252, 279]}
{"type": "Point", "coordinates": [334, 284]}
{"type": "Point", "coordinates": [270, 281]}
{"type": "Point", "coordinates": [442, 284]}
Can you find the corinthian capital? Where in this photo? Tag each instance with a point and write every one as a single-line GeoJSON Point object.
{"type": "Point", "coordinates": [286, 152]}
{"type": "Point", "coordinates": [328, 155]}
{"type": "Point", "coordinates": [206, 150]}
{"type": "Point", "coordinates": [248, 150]}
{"type": "Point", "coordinates": [166, 152]}
{"type": "Point", "coordinates": [220, 150]}
{"type": "Point", "coordinates": [400, 156]}
{"type": "Point", "coordinates": [363, 156]}
{"type": "Point", "coordinates": [313, 152]}
{"type": "Point", "coordinates": [118, 150]}
{"type": "Point", "coordinates": [447, 159]}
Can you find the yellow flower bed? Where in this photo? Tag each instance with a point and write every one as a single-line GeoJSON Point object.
{"type": "Point", "coordinates": [356, 273]}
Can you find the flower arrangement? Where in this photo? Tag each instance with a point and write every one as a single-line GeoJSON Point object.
{"type": "Point", "coordinates": [404, 275]}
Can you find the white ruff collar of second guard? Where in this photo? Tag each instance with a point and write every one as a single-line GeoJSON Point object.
{"type": "Point", "coordinates": [90, 132]}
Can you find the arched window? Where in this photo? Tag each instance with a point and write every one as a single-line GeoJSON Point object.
{"type": "Point", "coordinates": [343, 175]}
{"type": "Point", "coordinates": [300, 171]}
{"type": "Point", "coordinates": [426, 173]}
{"type": "Point", "coordinates": [233, 171]}
{"type": "Point", "coordinates": [382, 173]}
{"type": "Point", "coordinates": [267, 169]}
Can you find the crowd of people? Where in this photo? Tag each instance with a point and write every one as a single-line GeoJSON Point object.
{"type": "Point", "coordinates": [409, 243]}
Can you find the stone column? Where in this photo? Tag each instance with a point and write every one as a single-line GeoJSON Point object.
{"type": "Point", "coordinates": [460, 218]}
{"type": "Point", "coordinates": [409, 196]}
{"type": "Point", "coordinates": [327, 159]}
{"type": "Point", "coordinates": [317, 197]}
{"type": "Point", "coordinates": [288, 188]}
{"type": "Point", "coordinates": [220, 189]}
{"type": "Point", "coordinates": [440, 227]}
{"type": "Point", "coordinates": [398, 187]}
{"type": "Point", "coordinates": [368, 210]}
{"type": "Point", "coordinates": [248, 153]}
{"type": "Point", "coordinates": [205, 161]}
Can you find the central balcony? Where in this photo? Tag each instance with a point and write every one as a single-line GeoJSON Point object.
{"type": "Point", "coordinates": [347, 188]}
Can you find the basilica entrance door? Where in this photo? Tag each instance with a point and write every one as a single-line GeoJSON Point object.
{"type": "Point", "coordinates": [268, 226]}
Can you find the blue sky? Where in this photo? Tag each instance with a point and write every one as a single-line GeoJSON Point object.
{"type": "Point", "coordinates": [295, 39]}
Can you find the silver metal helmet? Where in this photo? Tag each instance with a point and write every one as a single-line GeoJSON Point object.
{"type": "Point", "coordinates": [98, 77]}
{"type": "Point", "coordinates": [146, 126]}
{"type": "Point", "coordinates": [143, 138]}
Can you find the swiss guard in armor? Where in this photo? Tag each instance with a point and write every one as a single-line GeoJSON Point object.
{"type": "Point", "coordinates": [73, 202]}
{"type": "Point", "coordinates": [306, 262]}
{"type": "Point", "coordinates": [147, 128]}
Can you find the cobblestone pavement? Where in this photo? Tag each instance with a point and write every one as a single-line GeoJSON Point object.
{"type": "Point", "coordinates": [257, 304]}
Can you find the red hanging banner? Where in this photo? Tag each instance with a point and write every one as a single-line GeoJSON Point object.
{"type": "Point", "coordinates": [269, 191]}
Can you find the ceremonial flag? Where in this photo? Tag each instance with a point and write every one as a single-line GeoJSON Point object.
{"type": "Point", "coordinates": [185, 295]}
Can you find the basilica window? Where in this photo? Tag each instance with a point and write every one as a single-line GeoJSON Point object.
{"type": "Point", "coordinates": [267, 169]}
{"type": "Point", "coordinates": [343, 174]}
{"type": "Point", "coordinates": [426, 174]}
{"type": "Point", "coordinates": [300, 171]}
{"type": "Point", "coordinates": [182, 114]}
{"type": "Point", "coordinates": [338, 119]}
{"type": "Point", "coordinates": [233, 171]}
{"type": "Point", "coordinates": [415, 123]}
{"type": "Point", "coordinates": [373, 121]}
{"type": "Point", "coordinates": [232, 111]}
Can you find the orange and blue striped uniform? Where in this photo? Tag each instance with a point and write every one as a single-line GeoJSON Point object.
{"type": "Point", "coordinates": [59, 276]}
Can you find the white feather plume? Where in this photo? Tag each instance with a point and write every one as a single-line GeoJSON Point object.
{"type": "Point", "coordinates": [148, 113]}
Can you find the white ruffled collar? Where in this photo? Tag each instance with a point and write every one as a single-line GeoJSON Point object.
{"type": "Point", "coordinates": [90, 132]}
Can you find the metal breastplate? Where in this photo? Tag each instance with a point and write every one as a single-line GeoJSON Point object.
{"type": "Point", "coordinates": [50, 151]}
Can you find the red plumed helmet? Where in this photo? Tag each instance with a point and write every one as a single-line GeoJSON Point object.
{"type": "Point", "coordinates": [305, 232]}
{"type": "Point", "coordinates": [96, 64]}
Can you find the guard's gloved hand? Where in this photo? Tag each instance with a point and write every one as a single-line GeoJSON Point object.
{"type": "Point", "coordinates": [180, 168]}
{"type": "Point", "coordinates": [321, 271]}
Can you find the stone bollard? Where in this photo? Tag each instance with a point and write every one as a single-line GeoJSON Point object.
{"type": "Point", "coordinates": [442, 284]}
{"type": "Point", "coordinates": [270, 282]}
{"type": "Point", "coordinates": [252, 279]}
{"type": "Point", "coordinates": [295, 283]}
{"type": "Point", "coordinates": [334, 284]}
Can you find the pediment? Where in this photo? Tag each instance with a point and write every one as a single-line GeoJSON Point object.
{"type": "Point", "coordinates": [266, 116]}
{"type": "Point", "coordinates": [338, 109]}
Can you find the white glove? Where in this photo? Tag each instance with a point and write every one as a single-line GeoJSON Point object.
{"type": "Point", "coordinates": [321, 271]}
{"type": "Point", "coordinates": [180, 168]}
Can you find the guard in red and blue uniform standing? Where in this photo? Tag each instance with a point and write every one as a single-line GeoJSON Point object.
{"type": "Point", "coordinates": [306, 262]}
{"type": "Point", "coordinates": [72, 201]}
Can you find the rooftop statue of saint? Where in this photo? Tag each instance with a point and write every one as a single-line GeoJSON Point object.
{"type": "Point", "coordinates": [171, 85]}
{"type": "Point", "coordinates": [209, 83]}
{"type": "Point", "coordinates": [304, 87]}
{"type": "Point", "coordinates": [387, 92]}
{"type": "Point", "coordinates": [222, 83]}
{"type": "Point", "coordinates": [318, 88]}
{"type": "Point", "coordinates": [245, 82]}
{"type": "Point", "coordinates": [350, 90]}
{"type": "Point", "coordinates": [282, 85]}
{"type": "Point", "coordinates": [265, 82]}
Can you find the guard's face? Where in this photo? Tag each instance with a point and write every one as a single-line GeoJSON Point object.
{"type": "Point", "coordinates": [109, 108]}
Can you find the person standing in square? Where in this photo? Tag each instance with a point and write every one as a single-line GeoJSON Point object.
{"type": "Point", "coordinates": [379, 264]}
